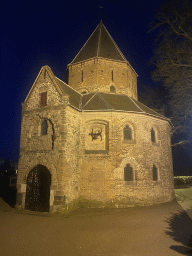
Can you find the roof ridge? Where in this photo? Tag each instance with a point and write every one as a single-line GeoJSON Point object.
{"type": "Point", "coordinates": [84, 44]}
{"type": "Point", "coordinates": [69, 86]}
{"type": "Point", "coordinates": [152, 110]}
{"type": "Point", "coordinates": [115, 43]}
{"type": "Point", "coordinates": [105, 101]}
{"type": "Point", "coordinates": [99, 39]}
{"type": "Point", "coordinates": [135, 103]}
{"type": "Point", "coordinates": [90, 99]}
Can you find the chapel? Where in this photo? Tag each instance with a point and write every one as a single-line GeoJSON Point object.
{"type": "Point", "coordinates": [90, 137]}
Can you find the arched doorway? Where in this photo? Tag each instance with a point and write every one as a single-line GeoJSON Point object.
{"type": "Point", "coordinates": [38, 189]}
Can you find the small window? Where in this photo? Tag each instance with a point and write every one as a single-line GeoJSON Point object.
{"type": "Point", "coordinates": [44, 99]}
{"type": "Point", "coordinates": [112, 89]}
{"type": "Point", "coordinates": [127, 132]}
{"type": "Point", "coordinates": [155, 173]}
{"type": "Point", "coordinates": [152, 135]}
{"type": "Point", "coordinates": [128, 173]}
{"type": "Point", "coordinates": [84, 92]}
{"type": "Point", "coordinates": [81, 76]}
{"type": "Point", "coordinates": [44, 127]}
{"type": "Point", "coordinates": [112, 75]}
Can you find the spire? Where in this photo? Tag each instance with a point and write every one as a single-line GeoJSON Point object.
{"type": "Point", "coordinates": [99, 44]}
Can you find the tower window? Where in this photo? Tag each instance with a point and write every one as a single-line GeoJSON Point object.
{"type": "Point", "coordinates": [128, 173]}
{"type": "Point", "coordinates": [127, 132]}
{"type": "Point", "coordinates": [152, 135]}
{"type": "Point", "coordinates": [155, 174]}
{"type": "Point", "coordinates": [81, 76]}
{"type": "Point", "coordinates": [44, 99]}
{"type": "Point", "coordinates": [112, 89]}
{"type": "Point", "coordinates": [44, 127]}
{"type": "Point", "coordinates": [112, 75]}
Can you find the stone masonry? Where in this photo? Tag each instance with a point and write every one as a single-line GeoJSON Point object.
{"type": "Point", "coordinates": [84, 148]}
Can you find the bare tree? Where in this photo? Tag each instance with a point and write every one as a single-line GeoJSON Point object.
{"type": "Point", "coordinates": [172, 58]}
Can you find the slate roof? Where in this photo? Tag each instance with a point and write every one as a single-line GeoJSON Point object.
{"type": "Point", "coordinates": [74, 96]}
{"type": "Point", "coordinates": [100, 101]}
{"type": "Point", "coordinates": [99, 44]}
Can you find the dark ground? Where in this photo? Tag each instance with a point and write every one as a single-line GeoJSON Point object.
{"type": "Point", "coordinates": [163, 230]}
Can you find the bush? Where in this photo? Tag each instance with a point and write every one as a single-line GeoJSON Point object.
{"type": "Point", "coordinates": [183, 181]}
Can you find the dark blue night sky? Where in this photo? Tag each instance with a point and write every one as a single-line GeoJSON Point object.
{"type": "Point", "coordinates": [38, 33]}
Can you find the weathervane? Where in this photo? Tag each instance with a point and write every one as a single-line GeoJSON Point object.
{"type": "Point", "coordinates": [101, 12]}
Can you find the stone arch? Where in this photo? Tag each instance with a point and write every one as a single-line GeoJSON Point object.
{"type": "Point", "coordinates": [128, 173]}
{"type": "Point", "coordinates": [119, 172]}
{"type": "Point", "coordinates": [133, 164]}
{"type": "Point", "coordinates": [127, 132]}
{"type": "Point", "coordinates": [38, 189]}
{"type": "Point", "coordinates": [132, 126]}
{"type": "Point", "coordinates": [154, 131]}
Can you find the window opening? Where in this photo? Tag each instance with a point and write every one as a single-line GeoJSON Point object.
{"type": "Point", "coordinates": [155, 176]}
{"type": "Point", "coordinates": [127, 133]}
{"type": "Point", "coordinates": [112, 89]}
{"type": "Point", "coordinates": [152, 135]}
{"type": "Point", "coordinates": [81, 76]}
{"type": "Point", "coordinates": [112, 75]}
{"type": "Point", "coordinates": [44, 127]}
{"type": "Point", "coordinates": [128, 173]}
{"type": "Point", "coordinates": [44, 99]}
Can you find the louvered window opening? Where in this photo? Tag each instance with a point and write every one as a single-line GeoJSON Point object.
{"type": "Point", "coordinates": [127, 133]}
{"type": "Point", "coordinates": [152, 135]}
{"type": "Point", "coordinates": [155, 175]}
{"type": "Point", "coordinates": [44, 99]}
{"type": "Point", "coordinates": [128, 173]}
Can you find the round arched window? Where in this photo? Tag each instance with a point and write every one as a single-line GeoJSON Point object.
{"type": "Point", "coordinates": [127, 133]}
{"type": "Point", "coordinates": [128, 173]}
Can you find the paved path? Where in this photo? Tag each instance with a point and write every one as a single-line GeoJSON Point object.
{"type": "Point", "coordinates": [161, 230]}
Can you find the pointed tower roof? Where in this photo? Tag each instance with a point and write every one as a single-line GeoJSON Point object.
{"type": "Point", "coordinates": [99, 44]}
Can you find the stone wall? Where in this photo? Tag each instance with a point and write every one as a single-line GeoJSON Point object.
{"type": "Point", "coordinates": [102, 173]}
{"type": "Point", "coordinates": [86, 153]}
{"type": "Point", "coordinates": [50, 149]}
{"type": "Point", "coordinates": [99, 75]}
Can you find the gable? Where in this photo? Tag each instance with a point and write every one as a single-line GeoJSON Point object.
{"type": "Point", "coordinates": [45, 91]}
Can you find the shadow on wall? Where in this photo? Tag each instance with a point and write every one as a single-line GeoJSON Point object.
{"type": "Point", "coordinates": [180, 229]}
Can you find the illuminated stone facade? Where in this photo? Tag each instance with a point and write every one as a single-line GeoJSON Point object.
{"type": "Point", "coordinates": [96, 142]}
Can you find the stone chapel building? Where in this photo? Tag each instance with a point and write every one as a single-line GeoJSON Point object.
{"type": "Point", "coordinates": [92, 138]}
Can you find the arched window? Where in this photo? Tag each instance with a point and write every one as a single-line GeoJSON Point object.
{"type": "Point", "coordinates": [127, 133]}
{"type": "Point", "coordinates": [112, 89]}
{"type": "Point", "coordinates": [155, 173]}
{"type": "Point", "coordinates": [44, 127]}
{"type": "Point", "coordinates": [128, 173]}
{"type": "Point", "coordinates": [152, 135]}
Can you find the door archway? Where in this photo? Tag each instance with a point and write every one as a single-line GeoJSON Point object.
{"type": "Point", "coordinates": [38, 189]}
